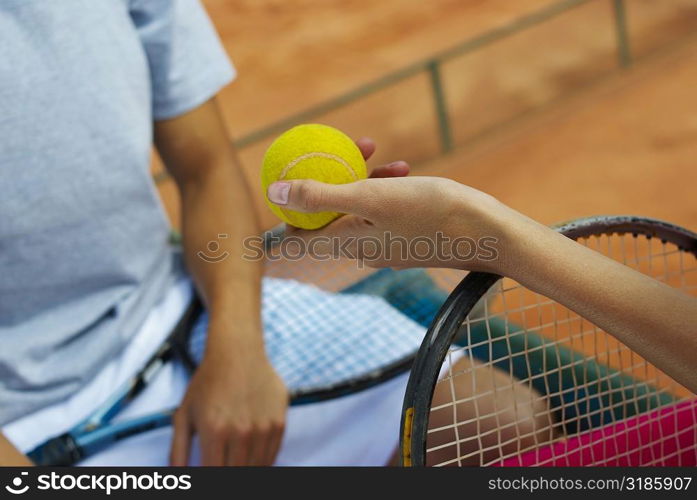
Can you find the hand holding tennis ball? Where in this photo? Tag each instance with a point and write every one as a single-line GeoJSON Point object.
{"type": "Point", "coordinates": [315, 152]}
{"type": "Point", "coordinates": [441, 220]}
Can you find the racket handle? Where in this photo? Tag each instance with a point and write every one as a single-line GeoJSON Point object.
{"type": "Point", "coordinates": [59, 451]}
{"type": "Point", "coordinates": [95, 441]}
{"type": "Point", "coordinates": [68, 449]}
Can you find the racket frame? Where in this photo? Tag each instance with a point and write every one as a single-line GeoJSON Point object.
{"type": "Point", "coordinates": [448, 320]}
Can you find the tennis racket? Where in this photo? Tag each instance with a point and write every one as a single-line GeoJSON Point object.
{"type": "Point", "coordinates": [331, 299]}
{"type": "Point", "coordinates": [506, 376]}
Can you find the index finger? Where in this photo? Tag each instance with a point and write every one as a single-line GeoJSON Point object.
{"type": "Point", "coordinates": [181, 439]}
{"type": "Point", "coordinates": [367, 147]}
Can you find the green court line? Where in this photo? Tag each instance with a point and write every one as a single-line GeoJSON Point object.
{"type": "Point", "coordinates": [624, 53]}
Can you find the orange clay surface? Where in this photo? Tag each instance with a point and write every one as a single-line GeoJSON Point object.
{"type": "Point", "coordinates": [544, 120]}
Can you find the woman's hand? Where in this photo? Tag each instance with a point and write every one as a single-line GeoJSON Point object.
{"type": "Point", "coordinates": [405, 222]}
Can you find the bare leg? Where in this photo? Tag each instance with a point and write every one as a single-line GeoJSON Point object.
{"type": "Point", "coordinates": [495, 415]}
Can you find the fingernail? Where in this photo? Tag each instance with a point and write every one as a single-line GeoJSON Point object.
{"type": "Point", "coordinates": [278, 192]}
{"type": "Point", "coordinates": [396, 163]}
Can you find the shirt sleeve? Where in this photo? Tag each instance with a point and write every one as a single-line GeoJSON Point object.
{"type": "Point", "coordinates": [188, 64]}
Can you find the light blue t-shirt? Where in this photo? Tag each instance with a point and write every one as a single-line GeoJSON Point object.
{"type": "Point", "coordinates": [84, 251]}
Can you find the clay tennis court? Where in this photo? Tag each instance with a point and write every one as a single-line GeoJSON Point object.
{"type": "Point", "coordinates": [543, 119]}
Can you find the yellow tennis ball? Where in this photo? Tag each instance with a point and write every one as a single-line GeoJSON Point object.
{"type": "Point", "coordinates": [314, 152]}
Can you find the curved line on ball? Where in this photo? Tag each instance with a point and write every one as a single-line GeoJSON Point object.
{"type": "Point", "coordinates": [317, 154]}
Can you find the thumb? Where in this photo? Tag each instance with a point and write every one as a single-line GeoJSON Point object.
{"type": "Point", "coordinates": [312, 196]}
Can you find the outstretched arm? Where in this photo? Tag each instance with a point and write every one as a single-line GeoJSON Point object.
{"type": "Point", "coordinates": [657, 321]}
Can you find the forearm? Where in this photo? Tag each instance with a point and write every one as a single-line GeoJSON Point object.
{"type": "Point", "coordinates": [217, 207]}
{"type": "Point", "coordinates": [10, 456]}
{"type": "Point", "coordinates": [654, 319]}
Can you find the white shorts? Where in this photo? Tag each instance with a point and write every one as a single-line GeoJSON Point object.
{"type": "Point", "coordinates": [359, 429]}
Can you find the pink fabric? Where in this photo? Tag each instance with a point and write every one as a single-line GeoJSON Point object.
{"type": "Point", "coordinates": [666, 436]}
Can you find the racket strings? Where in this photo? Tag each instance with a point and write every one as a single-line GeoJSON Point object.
{"type": "Point", "coordinates": [582, 378]}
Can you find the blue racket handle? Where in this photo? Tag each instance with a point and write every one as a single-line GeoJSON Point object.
{"type": "Point", "coordinates": [60, 451]}
{"type": "Point", "coordinates": [68, 449]}
{"type": "Point", "coordinates": [95, 441]}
